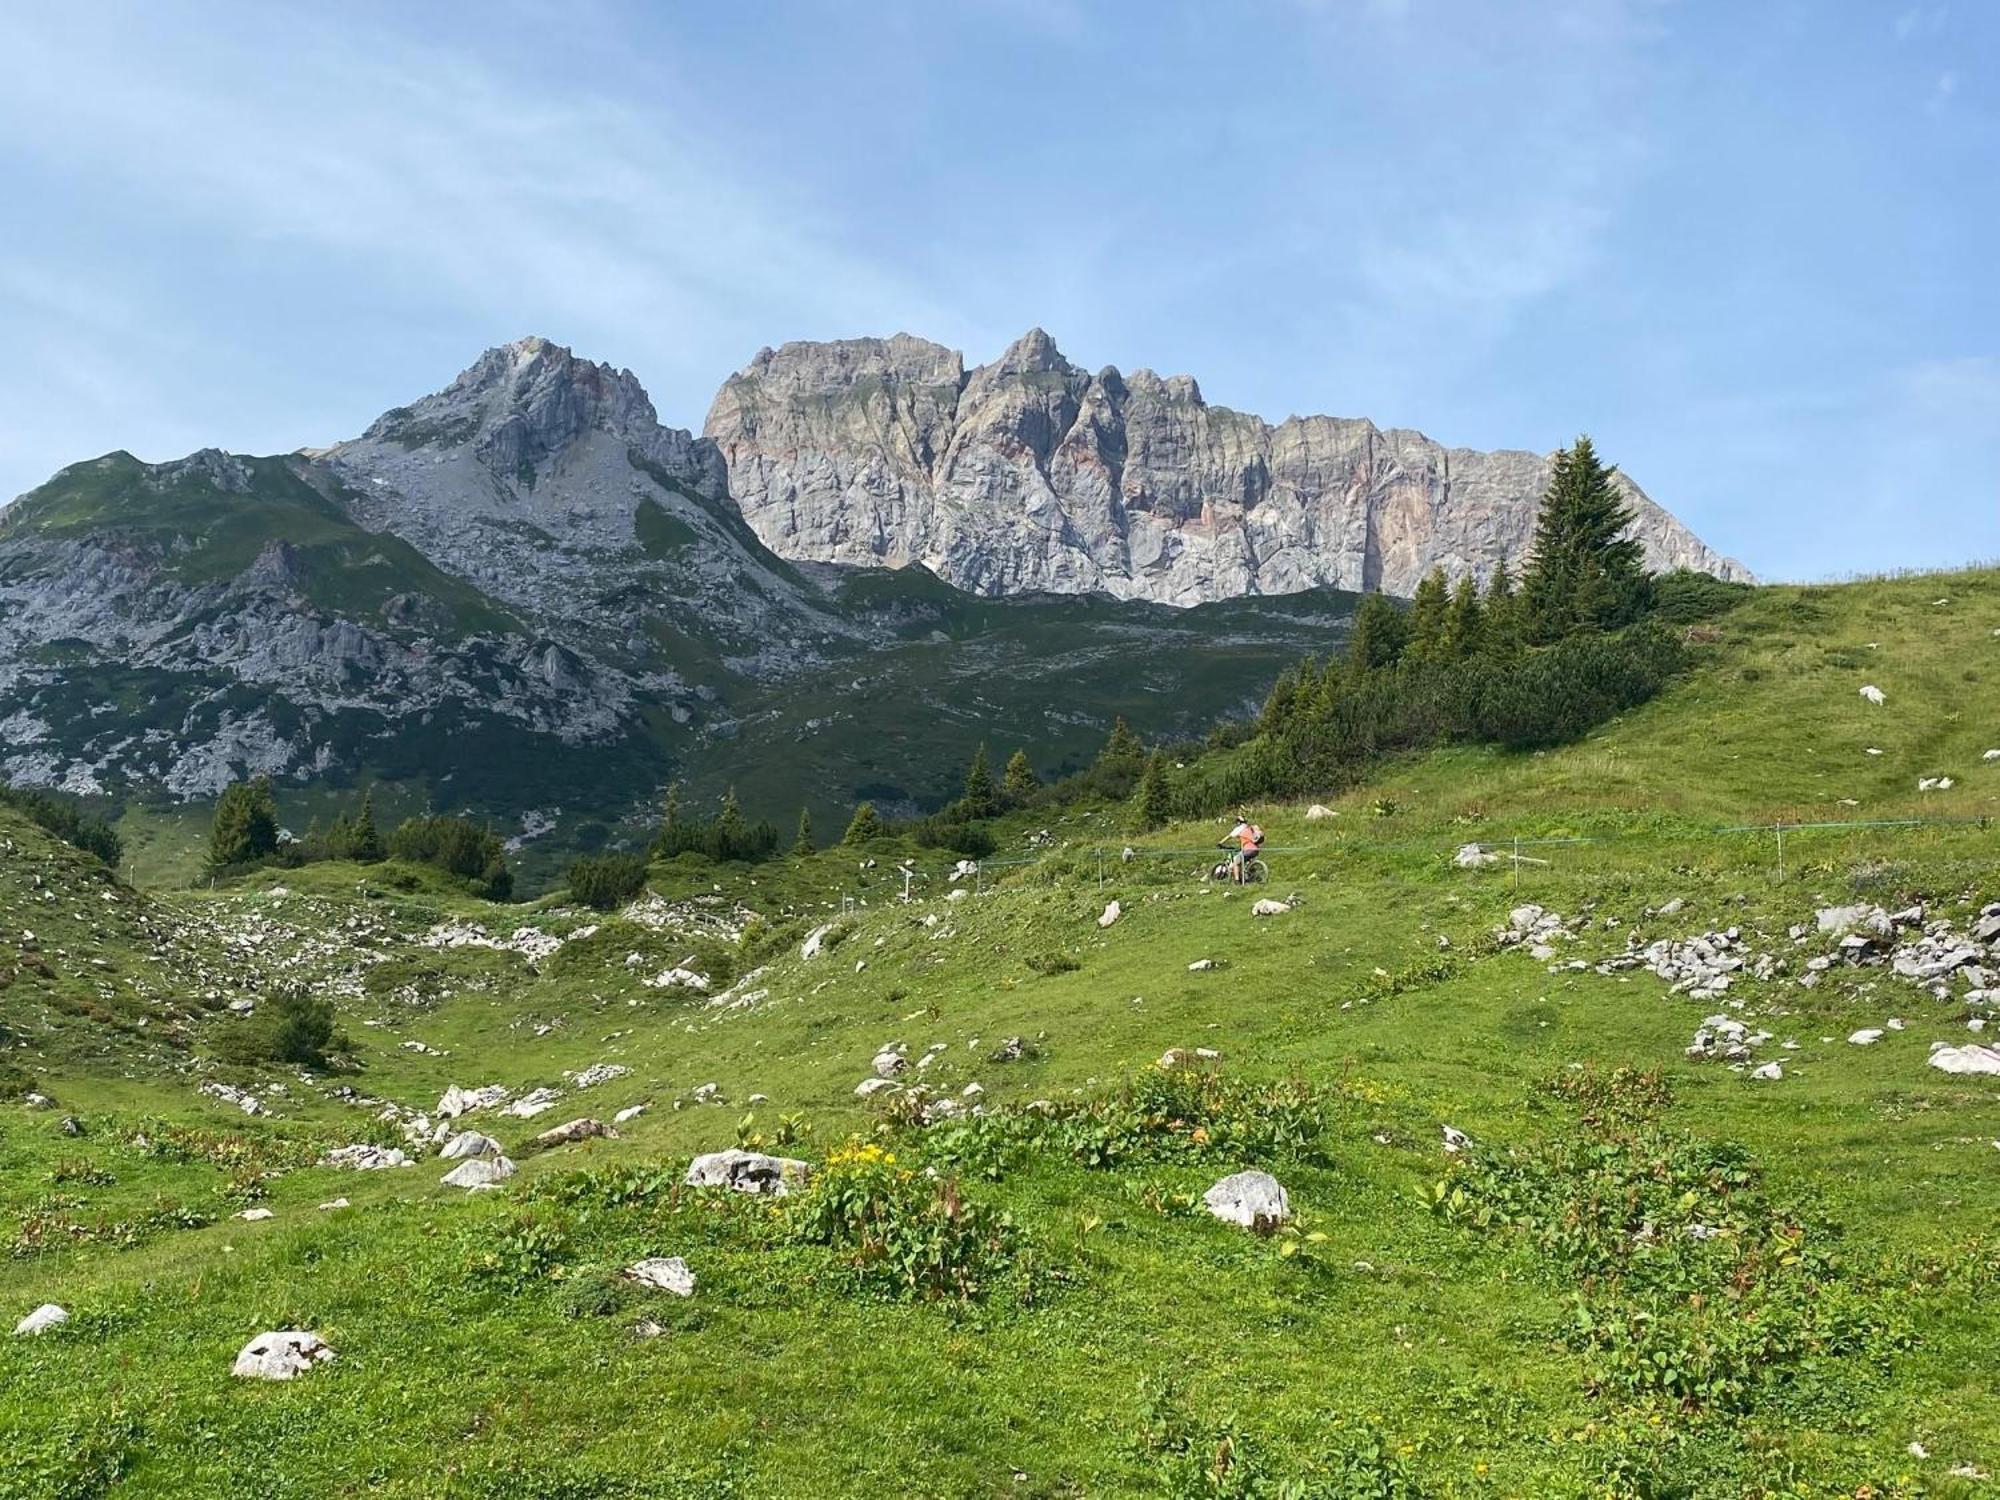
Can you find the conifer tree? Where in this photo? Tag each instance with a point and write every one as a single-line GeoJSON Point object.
{"type": "Point", "coordinates": [1380, 631]}
{"type": "Point", "coordinates": [1152, 804]}
{"type": "Point", "coordinates": [364, 839]}
{"type": "Point", "coordinates": [1427, 616]}
{"type": "Point", "coordinates": [1020, 782]}
{"type": "Point", "coordinates": [1501, 625]}
{"type": "Point", "coordinates": [672, 837]}
{"type": "Point", "coordinates": [803, 844]}
{"type": "Point", "coordinates": [1586, 573]}
{"type": "Point", "coordinates": [1120, 761]}
{"type": "Point", "coordinates": [245, 828]}
{"type": "Point", "coordinates": [1463, 621]}
{"type": "Point", "coordinates": [982, 797]}
{"type": "Point", "coordinates": [866, 824]}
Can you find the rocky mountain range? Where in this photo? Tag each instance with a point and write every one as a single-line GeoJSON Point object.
{"type": "Point", "coordinates": [525, 595]}
{"type": "Point", "coordinates": [1030, 474]}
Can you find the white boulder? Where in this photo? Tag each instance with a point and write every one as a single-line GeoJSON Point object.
{"type": "Point", "coordinates": [479, 1172]}
{"type": "Point", "coordinates": [1269, 908]}
{"type": "Point", "coordinates": [468, 1143]}
{"type": "Point", "coordinates": [43, 1318]}
{"type": "Point", "coordinates": [1254, 1200]}
{"type": "Point", "coordinates": [668, 1273]}
{"type": "Point", "coordinates": [284, 1355]}
{"type": "Point", "coordinates": [1973, 1057]}
{"type": "Point", "coordinates": [1112, 912]}
{"type": "Point", "coordinates": [1872, 693]}
{"type": "Point", "coordinates": [747, 1172]}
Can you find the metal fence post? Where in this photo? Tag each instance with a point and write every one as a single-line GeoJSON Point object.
{"type": "Point", "coordinates": [1781, 853]}
{"type": "Point", "coordinates": [1517, 862]}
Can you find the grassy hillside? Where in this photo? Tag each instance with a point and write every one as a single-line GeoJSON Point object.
{"type": "Point", "coordinates": [1643, 1274]}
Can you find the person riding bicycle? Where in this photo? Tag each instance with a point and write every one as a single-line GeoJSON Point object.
{"type": "Point", "coordinates": [1246, 842]}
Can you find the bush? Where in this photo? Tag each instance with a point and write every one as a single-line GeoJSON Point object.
{"type": "Point", "coordinates": [903, 1234]}
{"type": "Point", "coordinates": [291, 1028]}
{"type": "Point", "coordinates": [458, 846]}
{"type": "Point", "coordinates": [606, 881]}
{"type": "Point", "coordinates": [86, 831]}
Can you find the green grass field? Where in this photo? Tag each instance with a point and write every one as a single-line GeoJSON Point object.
{"type": "Point", "coordinates": [1646, 1275]}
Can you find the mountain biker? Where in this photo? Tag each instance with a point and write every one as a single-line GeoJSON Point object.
{"type": "Point", "coordinates": [1246, 842]}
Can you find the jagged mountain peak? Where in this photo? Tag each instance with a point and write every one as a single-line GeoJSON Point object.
{"type": "Point", "coordinates": [520, 403]}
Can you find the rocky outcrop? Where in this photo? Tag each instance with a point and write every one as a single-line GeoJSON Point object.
{"type": "Point", "coordinates": [1029, 474]}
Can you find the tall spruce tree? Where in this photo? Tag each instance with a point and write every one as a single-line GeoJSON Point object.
{"type": "Point", "coordinates": [364, 838]}
{"type": "Point", "coordinates": [803, 844]}
{"type": "Point", "coordinates": [982, 797]}
{"type": "Point", "coordinates": [1501, 626]}
{"type": "Point", "coordinates": [1380, 632]}
{"type": "Point", "coordinates": [1427, 615]}
{"type": "Point", "coordinates": [1463, 621]}
{"type": "Point", "coordinates": [1586, 573]}
{"type": "Point", "coordinates": [1152, 804]}
{"type": "Point", "coordinates": [1020, 781]}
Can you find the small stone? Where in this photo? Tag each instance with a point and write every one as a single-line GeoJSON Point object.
{"type": "Point", "coordinates": [1270, 908]}
{"type": "Point", "coordinates": [572, 1131]}
{"type": "Point", "coordinates": [255, 1215]}
{"type": "Point", "coordinates": [629, 1113]}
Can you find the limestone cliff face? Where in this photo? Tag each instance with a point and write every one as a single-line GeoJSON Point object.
{"type": "Point", "coordinates": [1029, 474]}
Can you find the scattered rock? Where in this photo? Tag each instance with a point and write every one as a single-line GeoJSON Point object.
{"type": "Point", "coordinates": [255, 1215]}
{"type": "Point", "coordinates": [333, 1203]}
{"type": "Point", "coordinates": [1867, 1036]}
{"type": "Point", "coordinates": [747, 1172]}
{"type": "Point", "coordinates": [1474, 856]}
{"type": "Point", "coordinates": [667, 1273]}
{"type": "Point", "coordinates": [1318, 812]}
{"type": "Point", "coordinates": [815, 943]}
{"type": "Point", "coordinates": [43, 1318]}
{"type": "Point", "coordinates": [572, 1131]}
{"type": "Point", "coordinates": [1270, 908]}
{"type": "Point", "coordinates": [597, 1073]}
{"type": "Point", "coordinates": [284, 1355]}
{"type": "Point", "coordinates": [1111, 913]}
{"type": "Point", "coordinates": [458, 1101]}
{"type": "Point", "coordinates": [467, 1144]}
{"type": "Point", "coordinates": [1011, 1050]}
{"type": "Point", "coordinates": [479, 1172]}
{"type": "Point", "coordinates": [630, 1112]}
{"type": "Point", "coordinates": [363, 1157]}
{"type": "Point", "coordinates": [1253, 1200]}
{"type": "Point", "coordinates": [1873, 694]}
{"type": "Point", "coordinates": [538, 1102]}
{"type": "Point", "coordinates": [1455, 1140]}
{"type": "Point", "coordinates": [1770, 1071]}
{"type": "Point", "coordinates": [889, 1063]}
{"type": "Point", "coordinates": [871, 1086]}
{"type": "Point", "coordinates": [1973, 1057]}
{"type": "Point", "coordinates": [1855, 920]}
{"type": "Point", "coordinates": [1181, 1057]}
{"type": "Point", "coordinates": [1201, 966]}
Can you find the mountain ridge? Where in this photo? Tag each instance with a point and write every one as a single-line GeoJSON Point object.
{"type": "Point", "coordinates": [1028, 472]}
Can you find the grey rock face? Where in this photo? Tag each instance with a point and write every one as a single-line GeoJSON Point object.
{"type": "Point", "coordinates": [1029, 474]}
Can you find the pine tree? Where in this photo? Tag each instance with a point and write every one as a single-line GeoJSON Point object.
{"type": "Point", "coordinates": [1152, 805]}
{"type": "Point", "coordinates": [866, 824]}
{"type": "Point", "coordinates": [1427, 615]}
{"type": "Point", "coordinates": [1020, 782]}
{"type": "Point", "coordinates": [729, 835]}
{"type": "Point", "coordinates": [1119, 762]}
{"type": "Point", "coordinates": [1380, 631]}
{"type": "Point", "coordinates": [982, 797]}
{"type": "Point", "coordinates": [1501, 625]}
{"type": "Point", "coordinates": [364, 839]}
{"type": "Point", "coordinates": [803, 844]}
{"type": "Point", "coordinates": [1464, 622]}
{"type": "Point", "coordinates": [1280, 702]}
{"type": "Point", "coordinates": [245, 828]}
{"type": "Point", "coordinates": [1586, 572]}
{"type": "Point", "coordinates": [672, 838]}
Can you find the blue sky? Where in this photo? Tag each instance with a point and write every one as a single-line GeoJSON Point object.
{"type": "Point", "coordinates": [1749, 246]}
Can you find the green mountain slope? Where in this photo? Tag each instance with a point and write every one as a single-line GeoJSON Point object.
{"type": "Point", "coordinates": [1679, 1278]}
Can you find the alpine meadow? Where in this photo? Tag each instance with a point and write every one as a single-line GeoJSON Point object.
{"type": "Point", "coordinates": [976, 925]}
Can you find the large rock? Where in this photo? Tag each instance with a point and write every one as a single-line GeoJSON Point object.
{"type": "Point", "coordinates": [1032, 475]}
{"type": "Point", "coordinates": [747, 1172]}
{"type": "Point", "coordinates": [1971, 1058]}
{"type": "Point", "coordinates": [459, 1101]}
{"type": "Point", "coordinates": [284, 1355]}
{"type": "Point", "coordinates": [1255, 1200]}
{"type": "Point", "coordinates": [667, 1273]}
{"type": "Point", "coordinates": [469, 1143]}
{"type": "Point", "coordinates": [479, 1172]}
{"type": "Point", "coordinates": [571, 1131]}
{"type": "Point", "coordinates": [43, 1318]}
